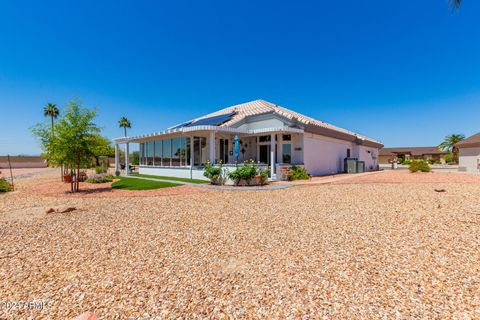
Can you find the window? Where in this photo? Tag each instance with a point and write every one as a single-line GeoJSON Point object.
{"type": "Point", "coordinates": [223, 150]}
{"type": "Point", "coordinates": [199, 151]}
{"type": "Point", "coordinates": [187, 151]}
{"type": "Point", "coordinates": [348, 153]}
{"type": "Point", "coordinates": [150, 152]}
{"type": "Point", "coordinates": [176, 151]}
{"type": "Point", "coordinates": [287, 137]}
{"type": "Point", "coordinates": [141, 153]}
{"type": "Point", "coordinates": [264, 139]}
{"type": "Point", "coordinates": [157, 160]}
{"type": "Point", "coordinates": [287, 153]}
{"type": "Point", "coordinates": [167, 152]}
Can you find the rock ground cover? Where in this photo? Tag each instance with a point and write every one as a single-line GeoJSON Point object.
{"type": "Point", "coordinates": [358, 250]}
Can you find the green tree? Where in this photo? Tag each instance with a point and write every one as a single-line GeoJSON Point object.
{"type": "Point", "coordinates": [51, 110]}
{"type": "Point", "coordinates": [124, 123]}
{"type": "Point", "coordinates": [448, 145]}
{"type": "Point", "coordinates": [76, 139]}
{"type": "Point", "coordinates": [101, 147]}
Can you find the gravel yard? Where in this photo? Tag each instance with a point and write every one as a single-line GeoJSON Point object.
{"type": "Point", "coordinates": [365, 247]}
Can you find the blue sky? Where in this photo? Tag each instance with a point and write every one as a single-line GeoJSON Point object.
{"type": "Point", "coordinates": [404, 72]}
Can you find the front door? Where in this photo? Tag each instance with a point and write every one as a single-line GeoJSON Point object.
{"type": "Point", "coordinates": [265, 154]}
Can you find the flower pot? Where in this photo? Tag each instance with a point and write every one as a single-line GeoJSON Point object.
{"type": "Point", "coordinates": [67, 178]}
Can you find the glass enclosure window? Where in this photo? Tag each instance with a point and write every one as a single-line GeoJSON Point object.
{"type": "Point", "coordinates": [196, 151]}
{"type": "Point", "coordinates": [264, 139]}
{"type": "Point", "coordinates": [167, 152]}
{"type": "Point", "coordinates": [187, 151]}
{"type": "Point", "coordinates": [142, 156]}
{"type": "Point", "coordinates": [204, 150]}
{"type": "Point", "coordinates": [150, 152]}
{"type": "Point", "coordinates": [158, 153]}
{"type": "Point", "coordinates": [287, 137]}
{"type": "Point", "coordinates": [287, 153]}
{"type": "Point", "coordinates": [176, 151]}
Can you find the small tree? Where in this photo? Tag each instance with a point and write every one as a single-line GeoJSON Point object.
{"type": "Point", "coordinates": [75, 141]}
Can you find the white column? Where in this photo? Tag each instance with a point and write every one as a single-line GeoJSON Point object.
{"type": "Point", "coordinates": [212, 147]}
{"type": "Point", "coordinates": [127, 171]}
{"type": "Point", "coordinates": [272, 156]}
{"type": "Point", "coordinates": [117, 158]}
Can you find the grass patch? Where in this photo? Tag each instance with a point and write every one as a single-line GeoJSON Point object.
{"type": "Point", "coordinates": [198, 181]}
{"type": "Point", "coordinates": [140, 184]}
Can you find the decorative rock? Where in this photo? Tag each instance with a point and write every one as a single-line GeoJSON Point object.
{"type": "Point", "coordinates": [86, 316]}
{"type": "Point", "coordinates": [49, 210]}
{"type": "Point", "coordinates": [66, 209]}
{"type": "Point", "coordinates": [440, 190]}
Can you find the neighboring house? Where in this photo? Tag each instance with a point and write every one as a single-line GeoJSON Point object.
{"type": "Point", "coordinates": [387, 155]}
{"type": "Point", "coordinates": [267, 133]}
{"type": "Point", "coordinates": [469, 154]}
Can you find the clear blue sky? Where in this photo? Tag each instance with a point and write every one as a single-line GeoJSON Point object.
{"type": "Point", "coordinates": [404, 72]}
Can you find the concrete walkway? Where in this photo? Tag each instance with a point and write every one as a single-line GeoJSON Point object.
{"type": "Point", "coordinates": [277, 186]}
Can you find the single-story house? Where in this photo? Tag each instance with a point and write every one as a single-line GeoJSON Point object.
{"type": "Point", "coordinates": [388, 155]}
{"type": "Point", "coordinates": [268, 134]}
{"type": "Point", "coordinates": [469, 154]}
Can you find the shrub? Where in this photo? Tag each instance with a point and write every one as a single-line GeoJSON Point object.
{"type": "Point", "coordinates": [216, 174]}
{"type": "Point", "coordinates": [298, 173]}
{"type": "Point", "coordinates": [5, 186]}
{"type": "Point", "coordinates": [419, 166]}
{"type": "Point", "coordinates": [407, 162]}
{"type": "Point", "coordinates": [100, 178]}
{"type": "Point", "coordinates": [247, 172]}
{"type": "Point", "coordinates": [99, 170]}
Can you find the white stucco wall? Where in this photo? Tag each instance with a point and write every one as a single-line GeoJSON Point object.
{"type": "Point", "coordinates": [262, 124]}
{"type": "Point", "coordinates": [173, 172]}
{"type": "Point", "coordinates": [324, 155]}
{"type": "Point", "coordinates": [370, 156]}
{"type": "Point", "coordinates": [468, 159]}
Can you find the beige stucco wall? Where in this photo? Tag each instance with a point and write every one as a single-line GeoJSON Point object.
{"type": "Point", "coordinates": [469, 159]}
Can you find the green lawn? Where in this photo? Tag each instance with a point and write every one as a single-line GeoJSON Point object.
{"type": "Point", "coordinates": [170, 178]}
{"type": "Point", "coordinates": [139, 184]}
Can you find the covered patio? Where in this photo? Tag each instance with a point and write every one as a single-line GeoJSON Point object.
{"type": "Point", "coordinates": [183, 152]}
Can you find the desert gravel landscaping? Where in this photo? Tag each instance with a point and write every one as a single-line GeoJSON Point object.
{"type": "Point", "coordinates": [370, 248]}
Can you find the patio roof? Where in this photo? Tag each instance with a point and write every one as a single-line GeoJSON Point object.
{"type": "Point", "coordinates": [187, 130]}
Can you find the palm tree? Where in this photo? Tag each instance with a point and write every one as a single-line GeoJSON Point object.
{"type": "Point", "coordinates": [450, 140]}
{"type": "Point", "coordinates": [52, 111]}
{"type": "Point", "coordinates": [449, 145]}
{"type": "Point", "coordinates": [124, 123]}
{"type": "Point", "coordinates": [455, 3]}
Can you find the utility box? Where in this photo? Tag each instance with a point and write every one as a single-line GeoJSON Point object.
{"type": "Point", "coordinates": [360, 166]}
{"type": "Point", "coordinates": [350, 165]}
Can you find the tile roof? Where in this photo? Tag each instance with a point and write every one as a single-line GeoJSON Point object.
{"type": "Point", "coordinates": [473, 141]}
{"type": "Point", "coordinates": [258, 107]}
{"type": "Point", "coordinates": [414, 151]}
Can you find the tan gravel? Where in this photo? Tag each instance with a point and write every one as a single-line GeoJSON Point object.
{"type": "Point", "coordinates": [352, 251]}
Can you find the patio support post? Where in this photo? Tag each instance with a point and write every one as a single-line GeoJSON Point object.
{"type": "Point", "coordinates": [117, 158]}
{"type": "Point", "coordinates": [191, 157]}
{"type": "Point", "coordinates": [272, 156]}
{"type": "Point", "coordinates": [127, 167]}
{"type": "Point", "coordinates": [212, 147]}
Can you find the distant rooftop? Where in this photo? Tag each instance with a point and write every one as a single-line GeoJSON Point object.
{"type": "Point", "coordinates": [414, 151]}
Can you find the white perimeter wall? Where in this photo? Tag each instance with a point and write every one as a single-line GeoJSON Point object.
{"type": "Point", "coordinates": [173, 172]}
{"type": "Point", "coordinates": [468, 159]}
{"type": "Point", "coordinates": [324, 155]}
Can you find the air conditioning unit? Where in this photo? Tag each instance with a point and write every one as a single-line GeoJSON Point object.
{"type": "Point", "coordinates": [350, 165]}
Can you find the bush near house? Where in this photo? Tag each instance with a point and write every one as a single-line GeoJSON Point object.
{"type": "Point", "coordinates": [407, 162]}
{"type": "Point", "coordinates": [215, 173]}
{"type": "Point", "coordinates": [298, 173]}
{"type": "Point", "coordinates": [419, 165]}
{"type": "Point", "coordinates": [5, 186]}
{"type": "Point", "coordinates": [249, 174]}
